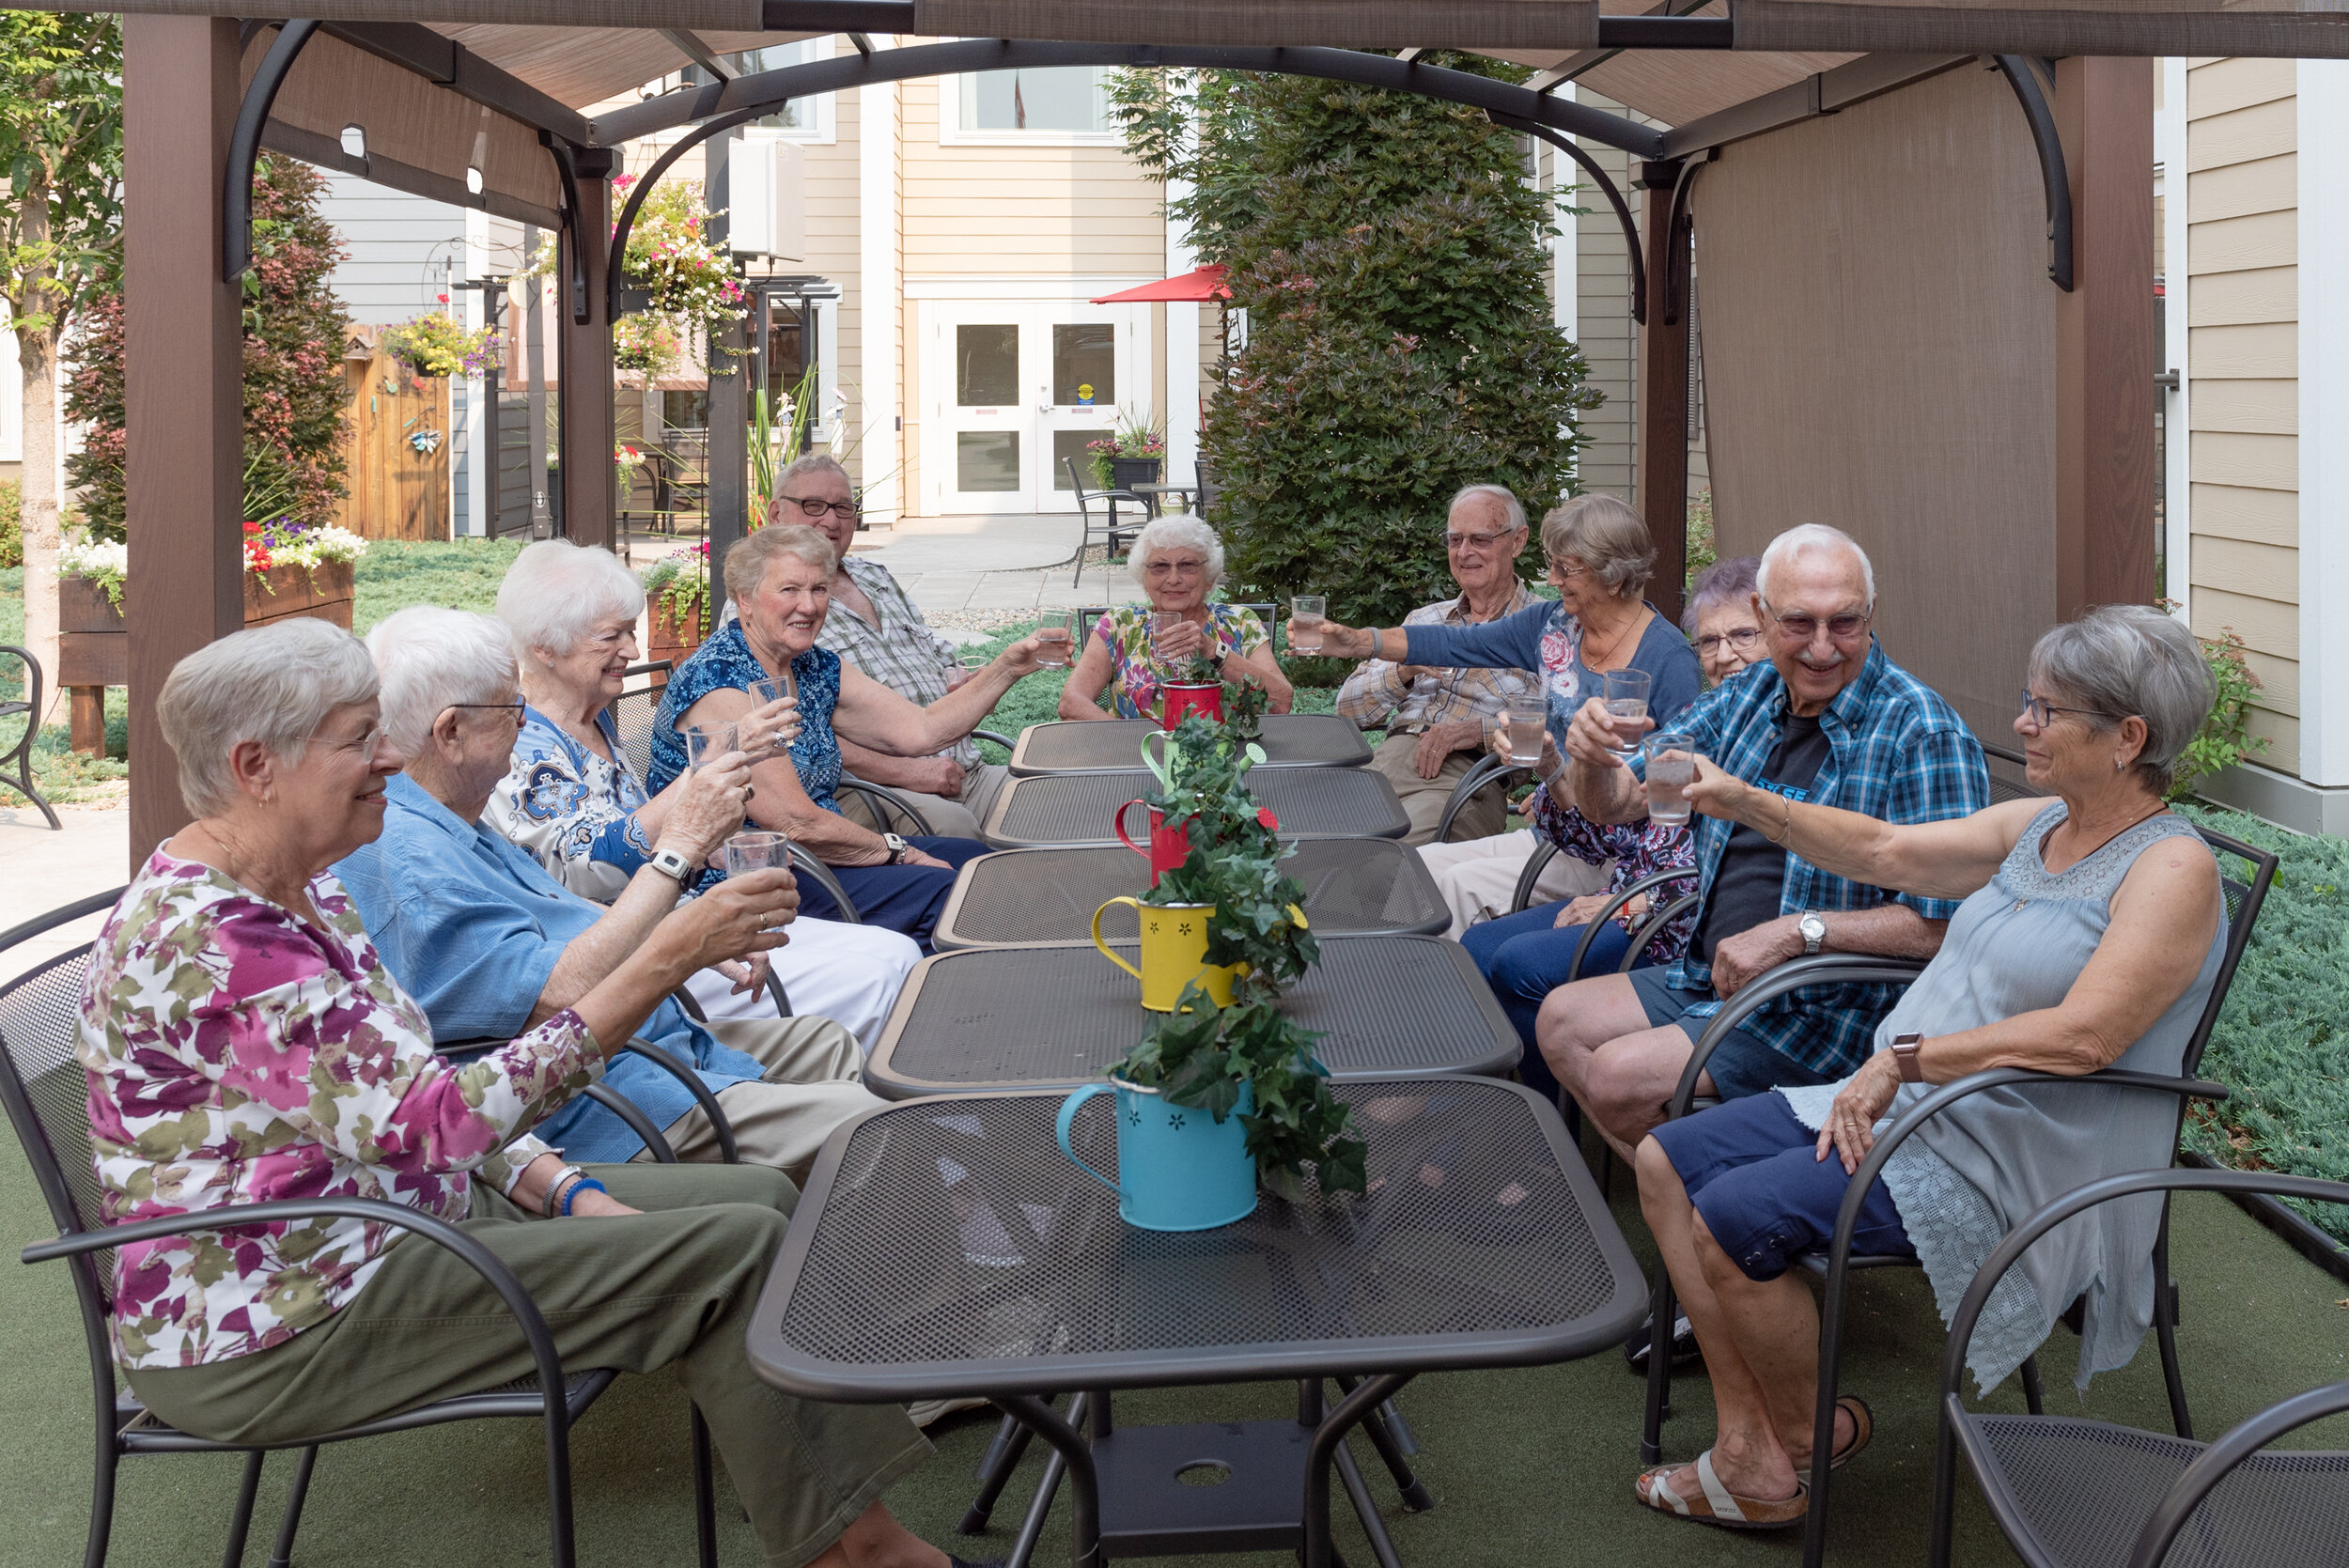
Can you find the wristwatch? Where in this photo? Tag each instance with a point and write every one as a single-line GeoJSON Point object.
{"type": "Point", "coordinates": [1813, 928]}
{"type": "Point", "coordinates": [1905, 1049]}
{"type": "Point", "coordinates": [898, 849]}
{"type": "Point", "coordinates": [670, 864]}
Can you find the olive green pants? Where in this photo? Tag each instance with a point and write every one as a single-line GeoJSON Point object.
{"type": "Point", "coordinates": [673, 1286]}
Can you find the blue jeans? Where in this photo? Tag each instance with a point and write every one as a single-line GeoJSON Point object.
{"type": "Point", "coordinates": [1524, 958]}
{"type": "Point", "coordinates": [907, 898]}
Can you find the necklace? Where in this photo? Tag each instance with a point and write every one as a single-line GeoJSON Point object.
{"type": "Point", "coordinates": [1616, 647]}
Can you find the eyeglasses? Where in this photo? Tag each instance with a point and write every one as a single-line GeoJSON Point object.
{"type": "Point", "coordinates": [1165, 568]}
{"type": "Point", "coordinates": [365, 745]}
{"type": "Point", "coordinates": [814, 508]}
{"type": "Point", "coordinates": [1472, 541]}
{"type": "Point", "coordinates": [513, 709]}
{"type": "Point", "coordinates": [2039, 710]}
{"type": "Point", "coordinates": [1802, 629]}
{"type": "Point", "coordinates": [1741, 639]}
{"type": "Point", "coordinates": [1560, 568]}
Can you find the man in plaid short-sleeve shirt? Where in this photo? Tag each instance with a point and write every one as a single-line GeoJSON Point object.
{"type": "Point", "coordinates": [1832, 720]}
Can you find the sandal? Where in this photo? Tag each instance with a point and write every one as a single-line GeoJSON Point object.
{"type": "Point", "coordinates": [1720, 1505]}
{"type": "Point", "coordinates": [1864, 1426]}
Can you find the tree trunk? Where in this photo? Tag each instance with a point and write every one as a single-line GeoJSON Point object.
{"type": "Point", "coordinates": [37, 355]}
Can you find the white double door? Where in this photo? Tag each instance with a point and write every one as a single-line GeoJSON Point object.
{"type": "Point", "coordinates": [1016, 389]}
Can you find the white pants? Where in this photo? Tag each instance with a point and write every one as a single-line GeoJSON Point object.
{"type": "Point", "coordinates": [1478, 875]}
{"type": "Point", "coordinates": [851, 975]}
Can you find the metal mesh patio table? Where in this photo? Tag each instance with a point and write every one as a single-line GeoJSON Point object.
{"type": "Point", "coordinates": [995, 1019]}
{"type": "Point", "coordinates": [1353, 886]}
{"type": "Point", "coordinates": [1089, 746]}
{"type": "Point", "coordinates": [1081, 808]}
{"type": "Point", "coordinates": [946, 1247]}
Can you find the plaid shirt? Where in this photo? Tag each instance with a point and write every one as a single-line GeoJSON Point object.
{"type": "Point", "coordinates": [1897, 753]}
{"type": "Point", "coordinates": [902, 653]}
{"type": "Point", "coordinates": [1376, 695]}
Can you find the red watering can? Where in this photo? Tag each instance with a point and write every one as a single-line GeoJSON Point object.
{"type": "Point", "coordinates": [1169, 846]}
{"type": "Point", "coordinates": [1182, 698]}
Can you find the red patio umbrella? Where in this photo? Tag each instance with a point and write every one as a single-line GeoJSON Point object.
{"type": "Point", "coordinates": [1191, 287]}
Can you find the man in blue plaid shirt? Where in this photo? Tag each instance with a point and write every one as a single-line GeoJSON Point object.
{"type": "Point", "coordinates": [1828, 719]}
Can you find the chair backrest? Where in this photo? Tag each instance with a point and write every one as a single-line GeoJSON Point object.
{"type": "Point", "coordinates": [2007, 782]}
{"type": "Point", "coordinates": [47, 1097]}
{"type": "Point", "coordinates": [632, 714]}
{"type": "Point", "coordinates": [2245, 888]}
{"type": "Point", "coordinates": [1210, 490]}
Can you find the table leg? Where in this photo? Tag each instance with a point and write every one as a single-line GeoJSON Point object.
{"type": "Point", "coordinates": [1085, 1496]}
{"type": "Point", "coordinates": [1327, 1438]}
{"type": "Point", "coordinates": [1390, 1446]}
{"type": "Point", "coordinates": [1002, 1457]}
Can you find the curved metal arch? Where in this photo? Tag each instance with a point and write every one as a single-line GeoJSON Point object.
{"type": "Point", "coordinates": [2053, 176]}
{"type": "Point", "coordinates": [1632, 247]}
{"type": "Point", "coordinates": [245, 147]}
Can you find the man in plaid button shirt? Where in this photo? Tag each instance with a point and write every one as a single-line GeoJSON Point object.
{"type": "Point", "coordinates": [1828, 719]}
{"type": "Point", "coordinates": [875, 627]}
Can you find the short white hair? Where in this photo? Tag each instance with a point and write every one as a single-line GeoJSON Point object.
{"type": "Point", "coordinates": [274, 684]}
{"type": "Point", "coordinates": [429, 659]}
{"type": "Point", "coordinates": [557, 591]}
{"type": "Point", "coordinates": [1803, 540]}
{"type": "Point", "coordinates": [1175, 530]}
{"type": "Point", "coordinates": [1502, 493]}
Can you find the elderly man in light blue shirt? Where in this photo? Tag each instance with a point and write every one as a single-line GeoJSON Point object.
{"type": "Point", "coordinates": [489, 944]}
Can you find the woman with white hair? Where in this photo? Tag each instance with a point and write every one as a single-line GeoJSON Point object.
{"type": "Point", "coordinates": [245, 1043]}
{"type": "Point", "coordinates": [1177, 560]}
{"type": "Point", "coordinates": [572, 800]}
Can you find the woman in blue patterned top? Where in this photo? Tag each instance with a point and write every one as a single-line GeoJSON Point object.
{"type": "Point", "coordinates": [780, 579]}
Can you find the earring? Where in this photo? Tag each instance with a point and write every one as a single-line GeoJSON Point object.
{"type": "Point", "coordinates": [2118, 765]}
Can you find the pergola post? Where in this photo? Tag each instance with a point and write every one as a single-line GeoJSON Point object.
{"type": "Point", "coordinates": [2104, 479]}
{"type": "Point", "coordinates": [1663, 420]}
{"type": "Point", "coordinates": [586, 373]}
{"type": "Point", "coordinates": [184, 397]}
{"type": "Point", "coordinates": [726, 500]}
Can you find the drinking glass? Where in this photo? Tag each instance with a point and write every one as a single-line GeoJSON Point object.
{"type": "Point", "coordinates": [763, 692]}
{"type": "Point", "coordinates": [1627, 701]}
{"type": "Point", "coordinates": [1671, 764]}
{"type": "Point", "coordinates": [1055, 655]}
{"type": "Point", "coordinates": [1162, 625]}
{"type": "Point", "coordinates": [756, 849]}
{"type": "Point", "coordinates": [1525, 726]}
{"type": "Point", "coordinates": [1307, 615]}
{"type": "Point", "coordinates": [706, 743]}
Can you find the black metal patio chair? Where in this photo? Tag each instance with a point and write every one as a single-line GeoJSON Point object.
{"type": "Point", "coordinates": [2073, 1493]}
{"type": "Point", "coordinates": [1098, 510]}
{"type": "Point", "coordinates": [16, 763]}
{"type": "Point", "coordinates": [2244, 897]}
{"type": "Point", "coordinates": [632, 713]}
{"type": "Point", "coordinates": [45, 1093]}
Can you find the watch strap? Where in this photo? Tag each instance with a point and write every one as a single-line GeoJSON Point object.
{"type": "Point", "coordinates": [1905, 1049]}
{"type": "Point", "coordinates": [672, 865]}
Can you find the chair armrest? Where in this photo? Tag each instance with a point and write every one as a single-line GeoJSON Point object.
{"type": "Point", "coordinates": [432, 1227]}
{"type": "Point", "coordinates": [628, 1111]}
{"type": "Point", "coordinates": [89, 905]}
{"type": "Point", "coordinates": [805, 863]}
{"type": "Point", "coordinates": [1607, 911]}
{"type": "Point", "coordinates": [1826, 969]}
{"type": "Point", "coordinates": [887, 798]}
{"type": "Point", "coordinates": [774, 988]}
{"type": "Point", "coordinates": [1656, 923]}
{"type": "Point", "coordinates": [685, 1075]}
{"type": "Point", "coordinates": [997, 736]}
{"type": "Point", "coordinates": [1488, 771]}
{"type": "Point", "coordinates": [1521, 898]}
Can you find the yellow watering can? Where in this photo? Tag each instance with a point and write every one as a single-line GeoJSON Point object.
{"type": "Point", "coordinates": [1174, 952]}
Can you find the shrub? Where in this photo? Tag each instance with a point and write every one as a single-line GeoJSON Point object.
{"type": "Point", "coordinates": [12, 524]}
{"type": "Point", "coordinates": [2226, 737]}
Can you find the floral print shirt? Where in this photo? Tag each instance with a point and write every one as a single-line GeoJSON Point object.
{"type": "Point", "coordinates": [726, 660]}
{"type": "Point", "coordinates": [1135, 672]}
{"type": "Point", "coordinates": [572, 809]}
{"type": "Point", "coordinates": [238, 1053]}
{"type": "Point", "coordinates": [1640, 850]}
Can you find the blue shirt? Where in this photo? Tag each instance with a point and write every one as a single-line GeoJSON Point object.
{"type": "Point", "coordinates": [1545, 639]}
{"type": "Point", "coordinates": [725, 661]}
{"type": "Point", "coordinates": [472, 926]}
{"type": "Point", "coordinates": [1897, 753]}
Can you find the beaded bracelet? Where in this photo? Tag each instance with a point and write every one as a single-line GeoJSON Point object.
{"type": "Point", "coordinates": [571, 1192]}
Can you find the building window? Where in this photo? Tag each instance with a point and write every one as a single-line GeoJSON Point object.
{"type": "Point", "coordinates": [802, 119]}
{"type": "Point", "coordinates": [1054, 102]}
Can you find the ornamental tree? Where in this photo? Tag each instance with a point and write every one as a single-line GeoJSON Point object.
{"type": "Point", "coordinates": [1388, 251]}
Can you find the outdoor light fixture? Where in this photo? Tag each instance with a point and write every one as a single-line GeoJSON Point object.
{"type": "Point", "coordinates": [473, 179]}
{"type": "Point", "coordinates": [354, 141]}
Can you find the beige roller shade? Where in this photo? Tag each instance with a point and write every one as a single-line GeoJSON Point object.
{"type": "Point", "coordinates": [1879, 354]}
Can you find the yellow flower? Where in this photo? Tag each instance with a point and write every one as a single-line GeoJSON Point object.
{"type": "Point", "coordinates": [1297, 915]}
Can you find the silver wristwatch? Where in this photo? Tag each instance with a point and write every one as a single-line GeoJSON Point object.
{"type": "Point", "coordinates": [672, 865]}
{"type": "Point", "coordinates": [898, 849]}
{"type": "Point", "coordinates": [1813, 928]}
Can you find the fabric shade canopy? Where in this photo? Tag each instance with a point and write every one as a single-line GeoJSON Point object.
{"type": "Point", "coordinates": [1191, 287]}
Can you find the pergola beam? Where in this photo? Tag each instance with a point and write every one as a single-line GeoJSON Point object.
{"type": "Point", "coordinates": [446, 63]}
{"type": "Point", "coordinates": [689, 43]}
{"type": "Point", "coordinates": [1824, 93]}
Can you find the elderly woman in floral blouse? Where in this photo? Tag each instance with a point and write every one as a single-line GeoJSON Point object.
{"type": "Point", "coordinates": [573, 802]}
{"type": "Point", "coordinates": [1178, 561]}
{"type": "Point", "coordinates": [243, 1044]}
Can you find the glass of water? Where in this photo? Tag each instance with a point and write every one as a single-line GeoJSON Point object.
{"type": "Point", "coordinates": [706, 743]}
{"type": "Point", "coordinates": [1308, 613]}
{"type": "Point", "coordinates": [757, 849]}
{"type": "Point", "coordinates": [1055, 654]}
{"type": "Point", "coordinates": [1672, 765]}
{"type": "Point", "coordinates": [1627, 702]}
{"type": "Point", "coordinates": [764, 692]}
{"type": "Point", "coordinates": [1524, 726]}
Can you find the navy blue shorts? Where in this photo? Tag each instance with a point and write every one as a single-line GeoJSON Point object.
{"type": "Point", "coordinates": [1753, 1170]}
{"type": "Point", "coordinates": [1742, 1063]}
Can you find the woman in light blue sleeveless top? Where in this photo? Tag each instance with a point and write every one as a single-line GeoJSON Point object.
{"type": "Point", "coordinates": [2091, 936]}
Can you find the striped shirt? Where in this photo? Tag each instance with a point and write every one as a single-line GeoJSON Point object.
{"type": "Point", "coordinates": [1376, 695]}
{"type": "Point", "coordinates": [1897, 753]}
{"type": "Point", "coordinates": [902, 652]}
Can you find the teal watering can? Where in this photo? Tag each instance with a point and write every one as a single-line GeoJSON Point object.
{"type": "Point", "coordinates": [1182, 1170]}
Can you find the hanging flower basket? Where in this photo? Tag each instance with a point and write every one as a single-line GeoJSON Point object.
{"type": "Point", "coordinates": [437, 345]}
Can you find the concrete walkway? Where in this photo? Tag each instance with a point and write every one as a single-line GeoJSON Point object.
{"type": "Point", "coordinates": [969, 575]}
{"type": "Point", "coordinates": [41, 870]}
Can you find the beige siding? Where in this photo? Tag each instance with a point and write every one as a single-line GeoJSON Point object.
{"type": "Point", "coordinates": [1610, 339]}
{"type": "Point", "coordinates": [2243, 306]}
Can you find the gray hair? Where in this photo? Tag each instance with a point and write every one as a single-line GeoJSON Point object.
{"type": "Point", "coordinates": [747, 560]}
{"type": "Point", "coordinates": [557, 591]}
{"type": "Point", "coordinates": [1605, 536]}
{"type": "Point", "coordinates": [1175, 530]}
{"type": "Point", "coordinates": [1501, 493]}
{"type": "Point", "coordinates": [430, 658]}
{"type": "Point", "coordinates": [1730, 581]}
{"type": "Point", "coordinates": [2120, 659]}
{"type": "Point", "coordinates": [814, 462]}
{"type": "Point", "coordinates": [274, 684]}
{"type": "Point", "coordinates": [1804, 539]}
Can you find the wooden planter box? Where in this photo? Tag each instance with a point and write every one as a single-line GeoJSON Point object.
{"type": "Point", "coordinates": [322, 593]}
{"type": "Point", "coordinates": [670, 638]}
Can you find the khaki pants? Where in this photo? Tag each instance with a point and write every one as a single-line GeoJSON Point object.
{"type": "Point", "coordinates": [670, 1287]}
{"type": "Point", "coordinates": [961, 817]}
{"type": "Point", "coordinates": [1424, 799]}
{"type": "Point", "coordinates": [814, 1081]}
{"type": "Point", "coordinates": [1477, 877]}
